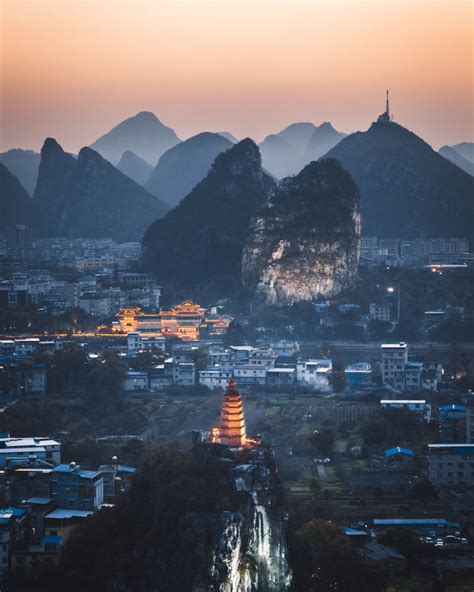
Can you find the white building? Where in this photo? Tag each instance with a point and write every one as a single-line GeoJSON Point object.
{"type": "Point", "coordinates": [394, 358]}
{"type": "Point", "coordinates": [314, 372]}
{"type": "Point", "coordinates": [250, 375]}
{"type": "Point", "coordinates": [135, 381]}
{"type": "Point", "coordinates": [413, 371]}
{"type": "Point", "coordinates": [379, 312]}
{"type": "Point", "coordinates": [18, 451]}
{"type": "Point", "coordinates": [217, 378]}
{"type": "Point", "coordinates": [184, 374]}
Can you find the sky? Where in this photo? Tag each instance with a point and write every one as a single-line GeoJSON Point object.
{"type": "Point", "coordinates": [72, 69]}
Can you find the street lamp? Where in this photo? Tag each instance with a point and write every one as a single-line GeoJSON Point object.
{"type": "Point", "coordinates": [391, 290]}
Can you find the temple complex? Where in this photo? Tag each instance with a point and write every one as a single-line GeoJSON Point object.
{"type": "Point", "coordinates": [185, 320]}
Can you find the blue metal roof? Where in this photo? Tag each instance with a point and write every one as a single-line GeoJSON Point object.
{"type": "Point", "coordinates": [41, 501]}
{"type": "Point", "coordinates": [76, 470]}
{"type": "Point", "coordinates": [6, 514]}
{"type": "Point", "coordinates": [398, 450]}
{"type": "Point", "coordinates": [52, 539]}
{"type": "Point", "coordinates": [452, 408]}
{"type": "Point", "coordinates": [355, 532]}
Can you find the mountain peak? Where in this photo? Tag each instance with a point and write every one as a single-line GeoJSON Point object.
{"type": "Point", "coordinates": [407, 189]}
{"type": "Point", "coordinates": [242, 158]}
{"type": "Point", "coordinates": [182, 167]}
{"type": "Point", "coordinates": [144, 134]}
{"type": "Point", "coordinates": [51, 146]}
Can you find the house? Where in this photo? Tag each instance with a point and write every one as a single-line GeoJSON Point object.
{"type": "Point", "coordinates": [19, 451]}
{"type": "Point", "coordinates": [76, 488]}
{"type": "Point", "coordinates": [216, 378]}
{"type": "Point", "coordinates": [135, 380]}
{"type": "Point", "coordinates": [451, 464]}
{"type": "Point", "coordinates": [281, 376]}
{"type": "Point", "coordinates": [394, 358]}
{"type": "Point", "coordinates": [413, 372]}
{"type": "Point", "coordinates": [250, 375]}
{"type": "Point", "coordinates": [452, 423]}
{"type": "Point", "coordinates": [117, 478]}
{"type": "Point", "coordinates": [314, 372]}
{"type": "Point", "coordinates": [184, 374]}
{"type": "Point", "coordinates": [60, 521]}
{"type": "Point", "coordinates": [358, 375]}
{"type": "Point", "coordinates": [399, 452]}
{"type": "Point", "coordinates": [379, 312]}
{"type": "Point", "coordinates": [429, 380]}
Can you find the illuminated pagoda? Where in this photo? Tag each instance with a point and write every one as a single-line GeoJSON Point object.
{"type": "Point", "coordinates": [232, 426]}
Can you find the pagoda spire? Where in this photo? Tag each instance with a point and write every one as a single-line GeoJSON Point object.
{"type": "Point", "coordinates": [232, 426]}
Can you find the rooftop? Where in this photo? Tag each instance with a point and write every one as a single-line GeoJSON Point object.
{"type": "Point", "coordinates": [398, 450]}
{"type": "Point", "coordinates": [64, 513]}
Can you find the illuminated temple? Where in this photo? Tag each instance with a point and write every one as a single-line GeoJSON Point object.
{"type": "Point", "coordinates": [185, 320]}
{"type": "Point", "coordinates": [231, 431]}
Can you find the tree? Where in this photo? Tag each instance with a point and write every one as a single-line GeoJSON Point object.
{"type": "Point", "coordinates": [324, 439]}
{"type": "Point", "coordinates": [424, 489]}
{"type": "Point", "coordinates": [200, 357]}
{"type": "Point", "coordinates": [234, 334]}
{"type": "Point", "coordinates": [323, 560]}
{"type": "Point", "coordinates": [379, 328]}
{"type": "Point", "coordinates": [315, 486]}
{"type": "Point", "coordinates": [337, 380]}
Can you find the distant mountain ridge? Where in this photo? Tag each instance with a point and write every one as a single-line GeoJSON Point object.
{"type": "Point", "coordinates": [407, 189]}
{"type": "Point", "coordinates": [89, 197]}
{"type": "Point", "coordinates": [182, 167]}
{"type": "Point", "coordinates": [23, 164]}
{"type": "Point", "coordinates": [142, 134]}
{"type": "Point", "coordinates": [15, 203]}
{"type": "Point", "coordinates": [135, 167]}
{"type": "Point", "coordinates": [288, 151]}
{"type": "Point", "coordinates": [454, 156]}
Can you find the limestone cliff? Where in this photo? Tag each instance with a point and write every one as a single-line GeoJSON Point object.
{"type": "Point", "coordinates": [242, 546]}
{"type": "Point", "coordinates": [304, 243]}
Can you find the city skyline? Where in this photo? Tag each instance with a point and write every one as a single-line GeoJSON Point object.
{"type": "Point", "coordinates": [74, 70]}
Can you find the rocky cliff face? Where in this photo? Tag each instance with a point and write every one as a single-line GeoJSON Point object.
{"type": "Point", "coordinates": [304, 244]}
{"type": "Point", "coordinates": [242, 548]}
{"type": "Point", "coordinates": [198, 245]}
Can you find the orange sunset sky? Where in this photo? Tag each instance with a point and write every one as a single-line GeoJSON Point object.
{"type": "Point", "coordinates": [71, 69]}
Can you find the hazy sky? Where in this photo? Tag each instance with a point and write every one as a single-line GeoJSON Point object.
{"type": "Point", "coordinates": [71, 69]}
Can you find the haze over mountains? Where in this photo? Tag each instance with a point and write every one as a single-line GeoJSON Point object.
{"type": "Point", "coordinates": [287, 152]}
{"type": "Point", "coordinates": [407, 189]}
{"type": "Point", "coordinates": [183, 166]}
{"type": "Point", "coordinates": [15, 203]}
{"type": "Point", "coordinates": [89, 197]}
{"type": "Point", "coordinates": [143, 134]}
{"type": "Point", "coordinates": [135, 167]}
{"type": "Point", "coordinates": [24, 165]}
{"type": "Point", "coordinates": [455, 154]}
